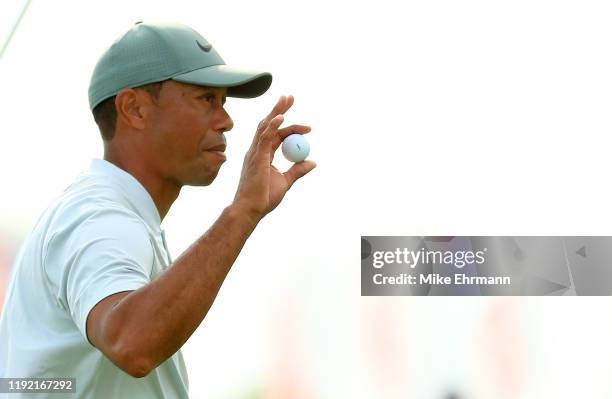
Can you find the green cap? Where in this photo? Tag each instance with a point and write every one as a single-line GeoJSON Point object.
{"type": "Point", "coordinates": [152, 52]}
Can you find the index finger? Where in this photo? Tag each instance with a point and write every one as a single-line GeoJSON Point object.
{"type": "Point", "coordinates": [282, 105]}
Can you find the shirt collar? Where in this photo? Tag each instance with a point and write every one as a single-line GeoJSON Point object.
{"type": "Point", "coordinates": [138, 196]}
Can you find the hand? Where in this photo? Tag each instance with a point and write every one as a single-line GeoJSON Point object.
{"type": "Point", "coordinates": [262, 186]}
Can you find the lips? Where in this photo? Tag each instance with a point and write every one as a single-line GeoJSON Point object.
{"type": "Point", "coordinates": [219, 148]}
{"type": "Point", "coordinates": [218, 151]}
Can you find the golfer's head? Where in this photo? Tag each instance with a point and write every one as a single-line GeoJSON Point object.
{"type": "Point", "coordinates": [158, 94]}
{"type": "Point", "coordinates": [174, 130]}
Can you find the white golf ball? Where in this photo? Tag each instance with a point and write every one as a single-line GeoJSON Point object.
{"type": "Point", "coordinates": [296, 148]}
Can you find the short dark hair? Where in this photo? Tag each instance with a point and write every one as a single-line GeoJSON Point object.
{"type": "Point", "coordinates": [105, 113]}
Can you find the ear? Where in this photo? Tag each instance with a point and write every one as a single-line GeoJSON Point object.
{"type": "Point", "coordinates": [133, 107]}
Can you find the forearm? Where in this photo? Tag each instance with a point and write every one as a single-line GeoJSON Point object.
{"type": "Point", "coordinates": [154, 321]}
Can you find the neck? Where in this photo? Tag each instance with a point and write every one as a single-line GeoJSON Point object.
{"type": "Point", "coordinates": [164, 192]}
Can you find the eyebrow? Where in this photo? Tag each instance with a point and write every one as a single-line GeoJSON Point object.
{"type": "Point", "coordinates": [200, 89]}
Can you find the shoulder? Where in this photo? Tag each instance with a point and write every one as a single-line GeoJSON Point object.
{"type": "Point", "coordinates": [96, 201]}
{"type": "Point", "coordinates": [91, 212]}
{"type": "Point", "coordinates": [89, 236]}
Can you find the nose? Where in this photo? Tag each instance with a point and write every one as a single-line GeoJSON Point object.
{"type": "Point", "coordinates": [224, 121]}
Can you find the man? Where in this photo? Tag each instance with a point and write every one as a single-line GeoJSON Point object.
{"type": "Point", "coordinates": [93, 295]}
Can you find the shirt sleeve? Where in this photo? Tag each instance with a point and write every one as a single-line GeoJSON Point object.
{"type": "Point", "coordinates": [107, 252]}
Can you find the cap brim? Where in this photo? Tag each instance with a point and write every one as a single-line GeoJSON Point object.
{"type": "Point", "coordinates": [240, 83]}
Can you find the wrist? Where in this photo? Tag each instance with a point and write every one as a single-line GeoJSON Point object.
{"type": "Point", "coordinates": [241, 211]}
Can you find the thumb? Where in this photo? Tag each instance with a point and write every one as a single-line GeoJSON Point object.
{"type": "Point", "coordinates": [298, 170]}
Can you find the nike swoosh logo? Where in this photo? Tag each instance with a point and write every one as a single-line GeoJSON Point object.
{"type": "Point", "coordinates": [205, 48]}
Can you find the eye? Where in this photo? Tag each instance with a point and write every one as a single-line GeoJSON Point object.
{"type": "Point", "coordinates": [212, 98]}
{"type": "Point", "coordinates": [208, 97]}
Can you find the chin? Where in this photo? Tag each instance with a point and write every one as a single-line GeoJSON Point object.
{"type": "Point", "coordinates": [205, 180]}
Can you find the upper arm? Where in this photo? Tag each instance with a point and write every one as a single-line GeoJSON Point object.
{"type": "Point", "coordinates": [95, 261]}
{"type": "Point", "coordinates": [102, 253]}
{"type": "Point", "coordinates": [103, 331]}
{"type": "Point", "coordinates": [95, 325]}
{"type": "Point", "coordinates": [107, 254]}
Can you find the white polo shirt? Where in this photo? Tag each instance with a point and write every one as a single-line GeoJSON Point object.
{"type": "Point", "coordinates": [102, 236]}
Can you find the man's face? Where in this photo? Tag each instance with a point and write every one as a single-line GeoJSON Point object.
{"type": "Point", "coordinates": [186, 126]}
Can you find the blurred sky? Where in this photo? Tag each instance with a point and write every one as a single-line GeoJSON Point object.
{"type": "Point", "coordinates": [429, 118]}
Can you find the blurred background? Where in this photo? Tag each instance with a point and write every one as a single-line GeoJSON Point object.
{"type": "Point", "coordinates": [429, 118]}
